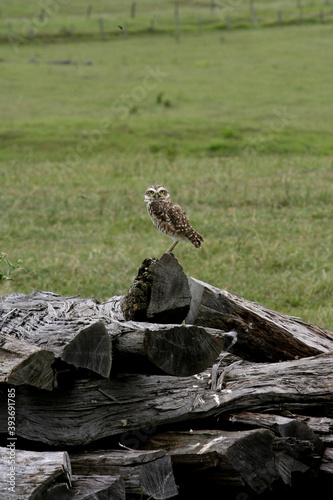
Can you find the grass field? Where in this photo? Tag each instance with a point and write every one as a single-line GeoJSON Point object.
{"type": "Point", "coordinates": [236, 123]}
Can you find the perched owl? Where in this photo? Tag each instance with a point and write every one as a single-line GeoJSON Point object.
{"type": "Point", "coordinates": [169, 217]}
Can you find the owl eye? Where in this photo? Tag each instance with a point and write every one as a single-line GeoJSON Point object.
{"type": "Point", "coordinates": [150, 191]}
{"type": "Point", "coordinates": [162, 191]}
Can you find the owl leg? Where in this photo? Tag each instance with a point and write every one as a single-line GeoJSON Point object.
{"type": "Point", "coordinates": [172, 247]}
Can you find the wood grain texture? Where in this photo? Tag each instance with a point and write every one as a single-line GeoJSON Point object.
{"type": "Point", "coordinates": [142, 471]}
{"type": "Point", "coordinates": [24, 363]}
{"type": "Point", "coordinates": [179, 350]}
{"type": "Point", "coordinates": [182, 350]}
{"type": "Point", "coordinates": [35, 472]}
{"type": "Point", "coordinates": [88, 488]}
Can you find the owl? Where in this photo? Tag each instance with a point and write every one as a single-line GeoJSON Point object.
{"type": "Point", "coordinates": [169, 217]}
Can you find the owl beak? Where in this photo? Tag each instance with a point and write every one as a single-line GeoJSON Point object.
{"type": "Point", "coordinates": [156, 196]}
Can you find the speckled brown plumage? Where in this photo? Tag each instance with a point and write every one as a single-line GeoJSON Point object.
{"type": "Point", "coordinates": [169, 217]}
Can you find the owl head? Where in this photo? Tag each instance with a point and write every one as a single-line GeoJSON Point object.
{"type": "Point", "coordinates": [157, 192]}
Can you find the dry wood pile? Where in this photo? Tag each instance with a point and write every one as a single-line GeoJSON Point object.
{"type": "Point", "coordinates": [177, 389]}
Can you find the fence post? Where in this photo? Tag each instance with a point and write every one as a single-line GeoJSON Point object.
{"type": "Point", "coordinates": [101, 27]}
{"type": "Point", "coordinates": [133, 10]}
{"type": "Point", "coordinates": [10, 33]}
{"type": "Point", "coordinates": [227, 22]}
{"type": "Point", "coordinates": [300, 14]}
{"type": "Point", "coordinates": [177, 20]}
{"type": "Point", "coordinates": [176, 8]}
{"type": "Point", "coordinates": [89, 9]}
{"type": "Point", "coordinates": [199, 25]}
{"type": "Point", "coordinates": [279, 18]}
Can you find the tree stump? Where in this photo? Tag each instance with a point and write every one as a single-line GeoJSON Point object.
{"type": "Point", "coordinates": [159, 294]}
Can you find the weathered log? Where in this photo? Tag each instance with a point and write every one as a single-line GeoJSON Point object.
{"type": "Point", "coordinates": [83, 342]}
{"type": "Point", "coordinates": [88, 488]}
{"type": "Point", "coordinates": [24, 363]}
{"type": "Point", "coordinates": [183, 351]}
{"type": "Point", "coordinates": [148, 472]}
{"type": "Point", "coordinates": [74, 307]}
{"type": "Point", "coordinates": [28, 474]}
{"type": "Point", "coordinates": [94, 409]}
{"type": "Point", "coordinates": [159, 481]}
{"type": "Point", "coordinates": [179, 350]}
{"type": "Point", "coordinates": [280, 425]}
{"type": "Point", "coordinates": [260, 333]}
{"type": "Point", "coordinates": [159, 293]}
{"type": "Point", "coordinates": [255, 458]}
{"type": "Point", "coordinates": [321, 426]}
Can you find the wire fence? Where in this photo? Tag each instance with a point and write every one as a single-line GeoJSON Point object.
{"type": "Point", "coordinates": [52, 24]}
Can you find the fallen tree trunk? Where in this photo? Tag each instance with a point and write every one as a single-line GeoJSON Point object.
{"type": "Point", "coordinates": [148, 472]}
{"type": "Point", "coordinates": [260, 333]}
{"type": "Point", "coordinates": [94, 409]}
{"type": "Point", "coordinates": [28, 474]}
{"type": "Point", "coordinates": [24, 363]}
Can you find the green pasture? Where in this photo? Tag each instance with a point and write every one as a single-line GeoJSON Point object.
{"type": "Point", "coordinates": [237, 123]}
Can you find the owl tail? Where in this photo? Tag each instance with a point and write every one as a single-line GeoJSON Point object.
{"type": "Point", "coordinates": [196, 239]}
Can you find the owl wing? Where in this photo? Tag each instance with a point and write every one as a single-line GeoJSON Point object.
{"type": "Point", "coordinates": [178, 219]}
